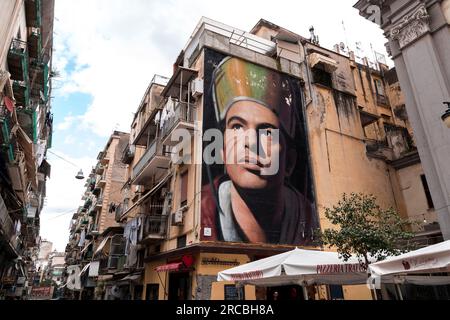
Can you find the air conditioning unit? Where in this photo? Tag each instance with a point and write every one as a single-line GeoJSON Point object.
{"type": "Point", "coordinates": [177, 218]}
{"type": "Point", "coordinates": [197, 88]}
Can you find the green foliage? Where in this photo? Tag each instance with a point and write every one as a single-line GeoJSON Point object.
{"type": "Point", "coordinates": [365, 229]}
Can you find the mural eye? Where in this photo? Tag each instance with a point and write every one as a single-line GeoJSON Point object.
{"type": "Point", "coordinates": [236, 127]}
{"type": "Point", "coordinates": [266, 132]}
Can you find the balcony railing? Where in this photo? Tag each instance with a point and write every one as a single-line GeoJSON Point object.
{"type": "Point", "coordinates": [6, 148]}
{"type": "Point", "coordinates": [155, 228]}
{"type": "Point", "coordinates": [18, 60]}
{"type": "Point", "coordinates": [152, 162]}
{"type": "Point", "coordinates": [39, 77]}
{"type": "Point", "coordinates": [183, 117]}
{"type": "Point", "coordinates": [128, 154]}
{"type": "Point", "coordinates": [35, 44]}
{"type": "Point", "coordinates": [21, 93]}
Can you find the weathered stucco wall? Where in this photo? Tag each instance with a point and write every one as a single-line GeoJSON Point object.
{"type": "Point", "coordinates": [414, 194]}
{"type": "Point", "coordinates": [338, 154]}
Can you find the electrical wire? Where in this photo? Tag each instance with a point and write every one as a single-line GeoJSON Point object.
{"type": "Point", "coordinates": [62, 158]}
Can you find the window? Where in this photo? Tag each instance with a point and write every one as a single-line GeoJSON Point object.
{"type": "Point", "coordinates": [381, 96]}
{"type": "Point", "coordinates": [184, 188]}
{"type": "Point", "coordinates": [379, 87]}
{"type": "Point", "coordinates": [427, 192]}
{"type": "Point", "coordinates": [320, 76]}
{"type": "Point", "coordinates": [231, 292]}
{"type": "Point", "coordinates": [181, 242]}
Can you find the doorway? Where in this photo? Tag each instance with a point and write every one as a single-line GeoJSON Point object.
{"type": "Point", "coordinates": [179, 286]}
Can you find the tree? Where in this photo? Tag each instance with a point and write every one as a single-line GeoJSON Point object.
{"type": "Point", "coordinates": [365, 229]}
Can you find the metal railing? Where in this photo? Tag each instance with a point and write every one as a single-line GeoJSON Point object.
{"type": "Point", "coordinates": [237, 37]}
{"type": "Point", "coordinates": [183, 112]}
{"type": "Point", "coordinates": [18, 46]}
{"type": "Point", "coordinates": [155, 225]}
{"type": "Point", "coordinates": [154, 149]}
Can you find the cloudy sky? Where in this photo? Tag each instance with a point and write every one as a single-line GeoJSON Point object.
{"type": "Point", "coordinates": [107, 51]}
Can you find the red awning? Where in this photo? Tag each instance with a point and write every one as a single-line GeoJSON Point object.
{"type": "Point", "coordinates": [169, 267]}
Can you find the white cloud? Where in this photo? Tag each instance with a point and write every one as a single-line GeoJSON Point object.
{"type": "Point", "coordinates": [66, 124]}
{"type": "Point", "coordinates": [118, 45]}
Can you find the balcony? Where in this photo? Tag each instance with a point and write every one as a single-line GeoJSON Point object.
{"type": "Point", "coordinates": [35, 44]}
{"type": "Point", "coordinates": [99, 169]}
{"type": "Point", "coordinates": [5, 143]}
{"type": "Point", "coordinates": [99, 204]}
{"type": "Point", "coordinates": [39, 76]}
{"type": "Point", "coordinates": [183, 117]}
{"type": "Point", "coordinates": [21, 93]}
{"type": "Point", "coordinates": [101, 182]}
{"type": "Point", "coordinates": [155, 228]}
{"type": "Point", "coordinates": [153, 164]}
{"type": "Point", "coordinates": [28, 121]}
{"type": "Point", "coordinates": [18, 60]}
{"type": "Point", "coordinates": [128, 154]}
{"type": "Point", "coordinates": [87, 204]}
{"type": "Point", "coordinates": [33, 13]}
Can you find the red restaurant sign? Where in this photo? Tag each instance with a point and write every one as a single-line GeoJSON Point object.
{"type": "Point", "coordinates": [340, 268]}
{"type": "Point", "coordinates": [42, 292]}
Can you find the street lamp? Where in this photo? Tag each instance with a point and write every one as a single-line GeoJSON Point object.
{"type": "Point", "coordinates": [446, 116]}
{"type": "Point", "coordinates": [80, 175]}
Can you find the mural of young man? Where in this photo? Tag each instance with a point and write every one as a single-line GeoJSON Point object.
{"type": "Point", "coordinates": [253, 199]}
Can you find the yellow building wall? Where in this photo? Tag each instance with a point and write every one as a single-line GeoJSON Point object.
{"type": "Point", "coordinates": [151, 277]}
{"type": "Point", "coordinates": [339, 159]}
{"type": "Point", "coordinates": [414, 194]}
{"type": "Point", "coordinates": [217, 289]}
{"type": "Point", "coordinates": [360, 292]}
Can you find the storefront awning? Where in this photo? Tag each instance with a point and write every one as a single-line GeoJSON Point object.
{"type": "Point", "coordinates": [169, 267]}
{"type": "Point", "coordinates": [137, 277]}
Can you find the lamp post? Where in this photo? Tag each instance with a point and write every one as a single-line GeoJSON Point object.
{"type": "Point", "coordinates": [446, 115]}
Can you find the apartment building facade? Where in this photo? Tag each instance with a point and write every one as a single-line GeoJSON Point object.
{"type": "Point", "coordinates": [94, 225]}
{"type": "Point", "coordinates": [344, 129]}
{"type": "Point", "coordinates": [358, 139]}
{"type": "Point", "coordinates": [26, 120]}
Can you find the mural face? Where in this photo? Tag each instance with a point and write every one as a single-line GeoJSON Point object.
{"type": "Point", "coordinates": [260, 191]}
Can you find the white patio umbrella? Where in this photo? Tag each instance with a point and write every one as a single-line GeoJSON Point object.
{"type": "Point", "coordinates": [428, 260]}
{"type": "Point", "coordinates": [298, 267]}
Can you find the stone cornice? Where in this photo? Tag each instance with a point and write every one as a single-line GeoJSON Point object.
{"type": "Point", "coordinates": [411, 27]}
